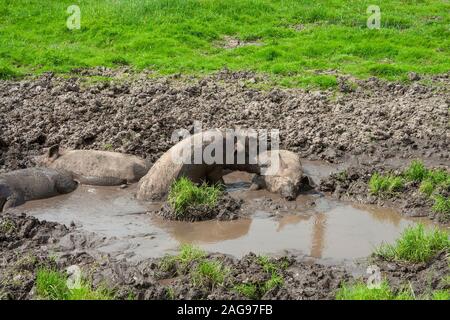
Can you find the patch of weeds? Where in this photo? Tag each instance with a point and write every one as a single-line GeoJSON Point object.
{"type": "Point", "coordinates": [416, 171]}
{"type": "Point", "coordinates": [441, 295]}
{"type": "Point", "coordinates": [184, 193]}
{"type": "Point", "coordinates": [52, 285]}
{"type": "Point", "coordinates": [209, 273]}
{"type": "Point", "coordinates": [379, 184]}
{"type": "Point", "coordinates": [360, 291]}
{"type": "Point", "coordinates": [188, 254]}
{"type": "Point", "coordinates": [248, 290]}
{"type": "Point", "coordinates": [276, 280]}
{"type": "Point", "coordinates": [415, 245]}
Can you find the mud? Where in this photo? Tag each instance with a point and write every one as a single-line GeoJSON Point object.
{"type": "Point", "coordinates": [27, 244]}
{"type": "Point", "coordinates": [137, 115]}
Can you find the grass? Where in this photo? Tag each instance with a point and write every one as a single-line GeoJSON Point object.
{"type": "Point", "coordinates": [360, 291]}
{"type": "Point", "coordinates": [52, 285]}
{"type": "Point", "coordinates": [249, 290]}
{"type": "Point", "coordinates": [188, 254]}
{"type": "Point", "coordinates": [415, 245]}
{"type": "Point", "coordinates": [416, 171]}
{"type": "Point", "coordinates": [441, 295]}
{"type": "Point", "coordinates": [432, 183]}
{"type": "Point", "coordinates": [381, 184]}
{"type": "Point", "coordinates": [181, 36]}
{"type": "Point", "coordinates": [184, 193]}
{"type": "Point", "coordinates": [209, 273]}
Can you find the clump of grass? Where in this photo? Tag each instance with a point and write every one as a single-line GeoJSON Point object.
{"type": "Point", "coordinates": [52, 285]}
{"type": "Point", "coordinates": [209, 273]}
{"type": "Point", "coordinates": [248, 290]}
{"type": "Point", "coordinates": [7, 226]}
{"type": "Point", "coordinates": [184, 193]}
{"type": "Point", "coordinates": [188, 254]}
{"type": "Point", "coordinates": [379, 184]}
{"type": "Point", "coordinates": [360, 291]}
{"type": "Point", "coordinates": [441, 295]}
{"type": "Point", "coordinates": [427, 187]}
{"type": "Point", "coordinates": [415, 245]}
{"type": "Point", "coordinates": [416, 171]}
{"type": "Point", "coordinates": [441, 205]}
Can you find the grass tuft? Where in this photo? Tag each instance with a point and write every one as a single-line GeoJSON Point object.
{"type": "Point", "coordinates": [379, 184]}
{"type": "Point", "coordinates": [416, 171]}
{"type": "Point", "coordinates": [188, 254]}
{"type": "Point", "coordinates": [441, 205]}
{"type": "Point", "coordinates": [360, 291]}
{"type": "Point", "coordinates": [209, 273]}
{"type": "Point", "coordinates": [52, 285]}
{"type": "Point", "coordinates": [184, 193]}
{"type": "Point", "coordinates": [248, 290]}
{"type": "Point", "coordinates": [415, 245]}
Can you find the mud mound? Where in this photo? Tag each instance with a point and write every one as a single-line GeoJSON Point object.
{"type": "Point", "coordinates": [138, 115]}
{"type": "Point", "coordinates": [226, 208]}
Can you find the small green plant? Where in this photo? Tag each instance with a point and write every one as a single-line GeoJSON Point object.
{"type": "Point", "coordinates": [360, 291]}
{"type": "Point", "coordinates": [170, 293]}
{"type": "Point", "coordinates": [415, 245]}
{"type": "Point", "coordinates": [441, 205]}
{"type": "Point", "coordinates": [184, 193]}
{"type": "Point", "coordinates": [52, 285]}
{"type": "Point", "coordinates": [379, 184]}
{"type": "Point", "coordinates": [441, 295]}
{"type": "Point", "coordinates": [248, 290]}
{"type": "Point", "coordinates": [209, 273]}
{"type": "Point", "coordinates": [276, 280]}
{"type": "Point", "coordinates": [416, 171]}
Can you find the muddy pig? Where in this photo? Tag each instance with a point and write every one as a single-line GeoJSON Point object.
{"type": "Point", "coordinates": [17, 187]}
{"type": "Point", "coordinates": [93, 167]}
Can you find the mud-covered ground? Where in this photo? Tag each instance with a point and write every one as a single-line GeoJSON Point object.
{"type": "Point", "coordinates": [368, 118]}
{"type": "Point", "coordinates": [364, 123]}
{"type": "Point", "coordinates": [27, 244]}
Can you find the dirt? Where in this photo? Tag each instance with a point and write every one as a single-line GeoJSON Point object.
{"type": "Point", "coordinates": [226, 208]}
{"type": "Point", "coordinates": [352, 184]}
{"type": "Point", "coordinates": [27, 244]}
{"type": "Point", "coordinates": [377, 119]}
{"type": "Point", "coordinates": [364, 126]}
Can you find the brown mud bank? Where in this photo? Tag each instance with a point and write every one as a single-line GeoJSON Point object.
{"type": "Point", "coordinates": [27, 244]}
{"type": "Point", "coordinates": [137, 115]}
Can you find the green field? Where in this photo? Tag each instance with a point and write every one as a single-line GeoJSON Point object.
{"type": "Point", "coordinates": [294, 38]}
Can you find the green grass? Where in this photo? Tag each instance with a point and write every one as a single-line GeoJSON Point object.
{"type": "Point", "coordinates": [52, 285]}
{"type": "Point", "coordinates": [382, 184]}
{"type": "Point", "coordinates": [416, 171]}
{"type": "Point", "coordinates": [416, 244]}
{"type": "Point", "coordinates": [188, 254]}
{"type": "Point", "coordinates": [441, 295]}
{"type": "Point", "coordinates": [441, 205]}
{"type": "Point", "coordinates": [184, 193]}
{"type": "Point", "coordinates": [209, 273]}
{"type": "Point", "coordinates": [360, 291]}
{"type": "Point", "coordinates": [182, 35]}
{"type": "Point", "coordinates": [248, 290]}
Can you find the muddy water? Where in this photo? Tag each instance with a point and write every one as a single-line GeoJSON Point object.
{"type": "Point", "coordinates": [313, 225]}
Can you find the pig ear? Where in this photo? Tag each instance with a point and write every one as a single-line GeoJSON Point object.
{"type": "Point", "coordinates": [53, 151]}
{"type": "Point", "coordinates": [281, 161]}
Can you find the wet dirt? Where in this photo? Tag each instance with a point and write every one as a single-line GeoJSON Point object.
{"type": "Point", "coordinates": [314, 225]}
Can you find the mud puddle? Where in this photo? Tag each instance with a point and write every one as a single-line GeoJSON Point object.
{"type": "Point", "coordinates": [313, 225]}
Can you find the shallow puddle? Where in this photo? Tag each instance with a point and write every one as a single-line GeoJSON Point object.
{"type": "Point", "coordinates": [313, 225]}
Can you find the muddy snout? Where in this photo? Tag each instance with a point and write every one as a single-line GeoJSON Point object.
{"type": "Point", "coordinates": [289, 192]}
